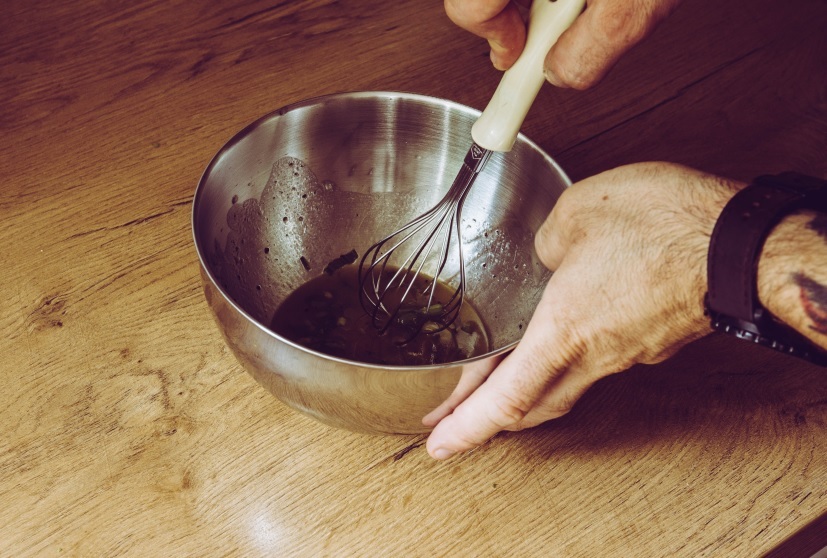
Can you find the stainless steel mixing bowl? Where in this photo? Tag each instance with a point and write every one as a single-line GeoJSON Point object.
{"type": "Point", "coordinates": [314, 180]}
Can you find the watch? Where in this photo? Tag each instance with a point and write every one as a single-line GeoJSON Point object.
{"type": "Point", "coordinates": [732, 265]}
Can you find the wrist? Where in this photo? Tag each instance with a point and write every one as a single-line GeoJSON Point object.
{"type": "Point", "coordinates": [793, 259]}
{"type": "Point", "coordinates": [763, 222]}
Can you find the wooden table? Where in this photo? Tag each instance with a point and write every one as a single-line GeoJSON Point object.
{"type": "Point", "coordinates": [129, 429]}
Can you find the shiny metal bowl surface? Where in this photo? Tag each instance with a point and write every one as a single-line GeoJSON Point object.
{"type": "Point", "coordinates": [316, 179]}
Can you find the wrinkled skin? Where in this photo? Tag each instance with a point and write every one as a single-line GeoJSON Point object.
{"type": "Point", "coordinates": [583, 55]}
{"type": "Point", "coordinates": [628, 249]}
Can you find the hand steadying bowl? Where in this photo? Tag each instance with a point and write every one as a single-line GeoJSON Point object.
{"type": "Point", "coordinates": [317, 179]}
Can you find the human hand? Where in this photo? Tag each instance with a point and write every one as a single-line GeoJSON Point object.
{"type": "Point", "coordinates": [583, 54]}
{"type": "Point", "coordinates": [629, 249]}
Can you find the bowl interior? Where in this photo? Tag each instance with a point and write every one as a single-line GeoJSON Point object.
{"type": "Point", "coordinates": [318, 179]}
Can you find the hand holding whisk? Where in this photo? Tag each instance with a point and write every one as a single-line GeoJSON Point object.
{"type": "Point", "coordinates": [398, 276]}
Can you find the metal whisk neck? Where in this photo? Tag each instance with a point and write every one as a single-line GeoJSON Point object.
{"type": "Point", "coordinates": [476, 158]}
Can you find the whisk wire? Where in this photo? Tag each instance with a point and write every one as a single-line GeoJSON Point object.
{"type": "Point", "coordinates": [407, 276]}
{"type": "Point", "coordinates": [400, 274]}
{"type": "Point", "coordinates": [376, 288]}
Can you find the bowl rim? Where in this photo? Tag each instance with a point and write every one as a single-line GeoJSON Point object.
{"type": "Point", "coordinates": [244, 132]}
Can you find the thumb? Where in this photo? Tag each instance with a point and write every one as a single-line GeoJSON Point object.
{"type": "Point", "coordinates": [506, 397]}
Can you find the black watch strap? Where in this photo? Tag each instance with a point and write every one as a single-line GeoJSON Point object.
{"type": "Point", "coordinates": [736, 243]}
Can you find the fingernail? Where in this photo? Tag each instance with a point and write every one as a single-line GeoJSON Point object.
{"type": "Point", "coordinates": [443, 453]}
{"type": "Point", "coordinates": [497, 52]}
{"type": "Point", "coordinates": [552, 78]}
{"type": "Point", "coordinates": [496, 46]}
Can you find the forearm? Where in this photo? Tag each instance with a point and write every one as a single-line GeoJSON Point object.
{"type": "Point", "coordinates": [792, 274]}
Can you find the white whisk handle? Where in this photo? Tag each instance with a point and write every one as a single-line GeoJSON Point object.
{"type": "Point", "coordinates": [498, 126]}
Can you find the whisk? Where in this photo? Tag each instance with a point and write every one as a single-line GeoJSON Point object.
{"type": "Point", "coordinates": [398, 276]}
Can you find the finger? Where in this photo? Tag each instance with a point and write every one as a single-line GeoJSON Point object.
{"type": "Point", "coordinates": [551, 241]}
{"type": "Point", "coordinates": [605, 31]}
{"type": "Point", "coordinates": [559, 398]}
{"type": "Point", "coordinates": [510, 392]}
{"type": "Point", "coordinates": [498, 403]}
{"type": "Point", "coordinates": [497, 21]}
{"type": "Point", "coordinates": [473, 375]}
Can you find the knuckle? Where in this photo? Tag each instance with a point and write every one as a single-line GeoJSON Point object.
{"type": "Point", "coordinates": [572, 341]}
{"type": "Point", "coordinates": [548, 363]}
{"type": "Point", "coordinates": [548, 360]}
{"type": "Point", "coordinates": [509, 409]}
{"type": "Point", "coordinates": [545, 244]}
{"type": "Point", "coordinates": [624, 24]}
{"type": "Point", "coordinates": [464, 13]}
{"type": "Point", "coordinates": [562, 401]}
{"type": "Point", "coordinates": [567, 207]}
{"type": "Point", "coordinates": [575, 76]}
{"type": "Point", "coordinates": [561, 405]}
{"type": "Point", "coordinates": [556, 224]}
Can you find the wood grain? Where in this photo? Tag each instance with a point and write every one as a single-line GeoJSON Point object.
{"type": "Point", "coordinates": [129, 429]}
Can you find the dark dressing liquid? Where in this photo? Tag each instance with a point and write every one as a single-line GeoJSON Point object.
{"type": "Point", "coordinates": [325, 315]}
